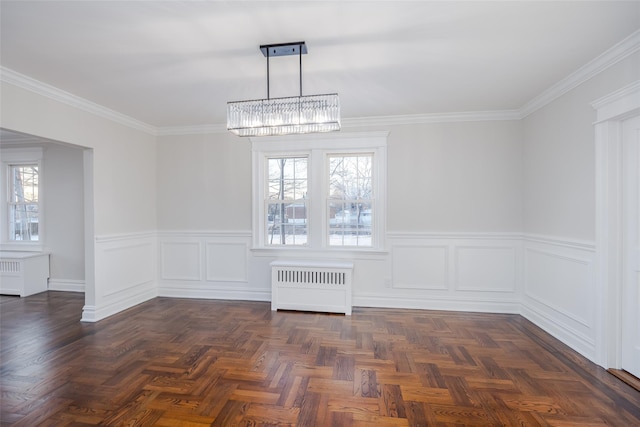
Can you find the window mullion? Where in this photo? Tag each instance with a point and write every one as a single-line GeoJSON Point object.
{"type": "Point", "coordinates": [317, 197]}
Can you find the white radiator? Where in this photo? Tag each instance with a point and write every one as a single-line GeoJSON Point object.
{"type": "Point", "coordinates": [311, 286]}
{"type": "Point", "coordinates": [23, 273]}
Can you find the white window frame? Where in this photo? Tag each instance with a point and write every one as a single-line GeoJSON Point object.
{"type": "Point", "coordinates": [317, 148]}
{"type": "Point", "coordinates": [16, 157]}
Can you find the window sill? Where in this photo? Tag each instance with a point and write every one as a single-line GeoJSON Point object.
{"type": "Point", "coordinates": [325, 253]}
{"type": "Point", "coordinates": [22, 247]}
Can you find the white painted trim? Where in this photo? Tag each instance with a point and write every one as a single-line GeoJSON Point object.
{"type": "Point", "coordinates": [572, 338]}
{"type": "Point", "coordinates": [66, 285]}
{"type": "Point", "coordinates": [611, 110]}
{"type": "Point", "coordinates": [560, 241]}
{"type": "Point", "coordinates": [437, 302]}
{"type": "Point", "coordinates": [93, 314]}
{"type": "Point", "coordinates": [618, 104]}
{"type": "Point", "coordinates": [456, 262]}
{"type": "Point", "coordinates": [454, 235]}
{"type": "Point", "coordinates": [22, 81]}
{"type": "Point", "coordinates": [612, 56]}
{"type": "Point", "coordinates": [204, 233]}
{"type": "Point", "coordinates": [588, 263]}
{"type": "Point", "coordinates": [236, 293]}
{"type": "Point", "coordinates": [124, 236]}
{"type": "Point", "coordinates": [422, 286]}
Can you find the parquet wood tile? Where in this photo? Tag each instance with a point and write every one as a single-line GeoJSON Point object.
{"type": "Point", "coordinates": [179, 362]}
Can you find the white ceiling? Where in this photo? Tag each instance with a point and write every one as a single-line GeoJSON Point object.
{"type": "Point", "coordinates": [169, 63]}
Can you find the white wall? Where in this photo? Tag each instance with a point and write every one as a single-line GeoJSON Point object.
{"type": "Point", "coordinates": [559, 163]}
{"type": "Point", "coordinates": [204, 182]}
{"type": "Point", "coordinates": [455, 177]}
{"type": "Point", "coordinates": [63, 200]}
{"type": "Point", "coordinates": [454, 214]}
{"type": "Point", "coordinates": [559, 275]}
{"type": "Point", "coordinates": [122, 194]}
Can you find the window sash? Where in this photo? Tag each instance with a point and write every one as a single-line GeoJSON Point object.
{"type": "Point", "coordinates": [23, 205]}
{"type": "Point", "coordinates": [317, 149]}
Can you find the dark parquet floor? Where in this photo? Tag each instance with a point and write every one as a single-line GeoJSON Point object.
{"type": "Point", "coordinates": [180, 362]}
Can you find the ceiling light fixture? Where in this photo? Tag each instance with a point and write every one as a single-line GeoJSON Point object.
{"type": "Point", "coordinates": [282, 116]}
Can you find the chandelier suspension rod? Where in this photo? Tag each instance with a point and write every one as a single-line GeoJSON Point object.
{"type": "Point", "coordinates": [268, 55]}
{"type": "Point", "coordinates": [300, 56]}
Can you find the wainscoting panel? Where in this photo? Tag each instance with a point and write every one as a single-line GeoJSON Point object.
{"type": "Point", "coordinates": [486, 268]}
{"type": "Point", "coordinates": [125, 273]}
{"type": "Point", "coordinates": [448, 271]}
{"type": "Point", "coordinates": [212, 265]}
{"type": "Point", "coordinates": [226, 261]}
{"type": "Point", "coordinates": [180, 260]}
{"type": "Point", "coordinates": [559, 290]}
{"type": "Point", "coordinates": [420, 267]}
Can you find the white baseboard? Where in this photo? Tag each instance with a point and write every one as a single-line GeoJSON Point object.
{"type": "Point", "coordinates": [577, 341]}
{"type": "Point", "coordinates": [91, 313]}
{"type": "Point", "coordinates": [226, 293]}
{"type": "Point", "coordinates": [437, 303]}
{"type": "Point", "coordinates": [66, 285]}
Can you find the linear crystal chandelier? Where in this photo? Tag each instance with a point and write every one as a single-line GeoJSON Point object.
{"type": "Point", "coordinates": [282, 116]}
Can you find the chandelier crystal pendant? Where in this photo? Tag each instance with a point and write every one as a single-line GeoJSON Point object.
{"type": "Point", "coordinates": [283, 116]}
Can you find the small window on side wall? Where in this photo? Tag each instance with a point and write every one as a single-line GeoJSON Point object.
{"type": "Point", "coordinates": [24, 216]}
{"type": "Point", "coordinates": [21, 191]}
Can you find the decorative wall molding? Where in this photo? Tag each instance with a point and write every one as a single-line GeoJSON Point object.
{"type": "Point", "coordinates": [587, 245]}
{"type": "Point", "coordinates": [585, 265]}
{"type": "Point", "coordinates": [125, 273]}
{"type": "Point", "coordinates": [66, 285]}
{"type": "Point", "coordinates": [618, 104]}
{"type": "Point", "coordinates": [611, 111]}
{"type": "Point", "coordinates": [610, 57]}
{"type": "Point", "coordinates": [25, 82]}
{"type": "Point", "coordinates": [92, 313]}
{"type": "Point", "coordinates": [484, 304]}
{"type": "Point", "coordinates": [559, 290]}
{"type": "Point", "coordinates": [206, 264]}
{"type": "Point", "coordinates": [577, 340]}
{"type": "Point", "coordinates": [421, 266]}
{"type": "Point", "coordinates": [484, 268]}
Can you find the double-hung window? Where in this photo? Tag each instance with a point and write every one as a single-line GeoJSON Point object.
{"type": "Point", "coordinates": [320, 192]}
{"type": "Point", "coordinates": [22, 195]}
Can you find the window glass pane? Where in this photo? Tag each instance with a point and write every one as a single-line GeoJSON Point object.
{"type": "Point", "coordinates": [286, 208]}
{"type": "Point", "coordinates": [350, 224]}
{"type": "Point", "coordinates": [23, 222]}
{"type": "Point", "coordinates": [23, 203]}
{"type": "Point", "coordinates": [24, 182]}
{"type": "Point", "coordinates": [287, 223]}
{"type": "Point", "coordinates": [287, 178]}
{"type": "Point", "coordinates": [350, 200]}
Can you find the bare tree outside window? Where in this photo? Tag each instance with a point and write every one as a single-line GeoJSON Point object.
{"type": "Point", "coordinates": [350, 203]}
{"type": "Point", "coordinates": [23, 205]}
{"type": "Point", "coordinates": [287, 201]}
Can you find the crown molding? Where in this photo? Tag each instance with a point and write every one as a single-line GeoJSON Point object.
{"type": "Point", "coordinates": [25, 82]}
{"type": "Point", "coordinates": [610, 57]}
